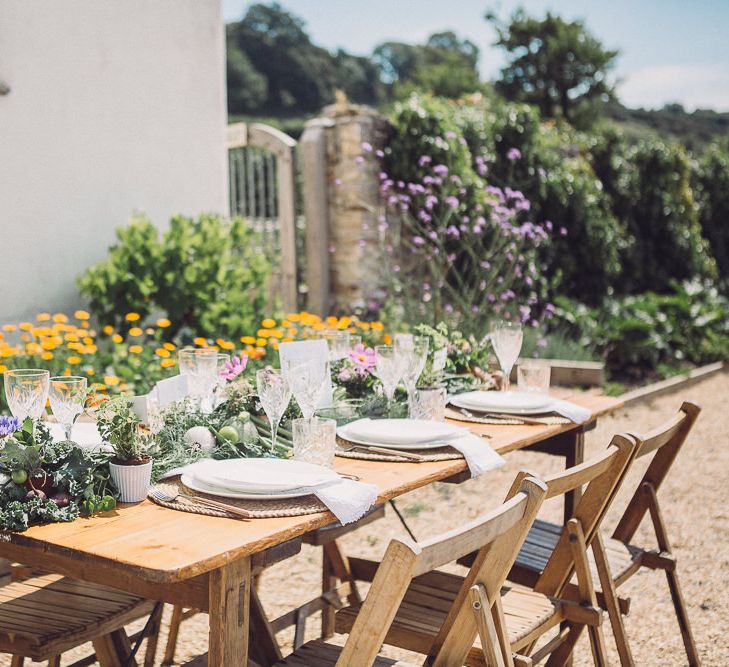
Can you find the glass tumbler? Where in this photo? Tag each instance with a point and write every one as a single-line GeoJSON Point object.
{"type": "Point", "coordinates": [534, 376]}
{"type": "Point", "coordinates": [315, 440]}
{"type": "Point", "coordinates": [428, 404]}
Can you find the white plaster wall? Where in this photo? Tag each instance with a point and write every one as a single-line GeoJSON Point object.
{"type": "Point", "coordinates": [115, 105]}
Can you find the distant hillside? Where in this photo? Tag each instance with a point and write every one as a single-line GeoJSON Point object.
{"type": "Point", "coordinates": [694, 129]}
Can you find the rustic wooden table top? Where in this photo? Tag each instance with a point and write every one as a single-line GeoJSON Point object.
{"type": "Point", "coordinates": [164, 546]}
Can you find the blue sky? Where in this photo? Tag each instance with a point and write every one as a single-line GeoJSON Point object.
{"type": "Point", "coordinates": [670, 50]}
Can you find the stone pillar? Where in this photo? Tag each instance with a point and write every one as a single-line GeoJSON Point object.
{"type": "Point", "coordinates": [352, 190]}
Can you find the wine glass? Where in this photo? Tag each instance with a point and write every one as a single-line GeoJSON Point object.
{"type": "Point", "coordinates": [68, 397]}
{"type": "Point", "coordinates": [413, 354]}
{"type": "Point", "coordinates": [506, 338]}
{"type": "Point", "coordinates": [339, 344]}
{"type": "Point", "coordinates": [26, 390]}
{"type": "Point", "coordinates": [219, 388]}
{"type": "Point", "coordinates": [274, 393]}
{"type": "Point", "coordinates": [389, 370]}
{"type": "Point", "coordinates": [307, 380]}
{"type": "Point", "coordinates": [200, 367]}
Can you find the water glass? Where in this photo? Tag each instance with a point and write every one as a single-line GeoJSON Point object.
{"type": "Point", "coordinates": [315, 440]}
{"type": "Point", "coordinates": [68, 398]}
{"type": "Point", "coordinates": [389, 370]}
{"type": "Point", "coordinates": [534, 376]}
{"type": "Point", "coordinates": [339, 344]}
{"type": "Point", "coordinates": [413, 354]}
{"type": "Point", "coordinates": [354, 340]}
{"type": "Point", "coordinates": [26, 391]}
{"type": "Point", "coordinates": [274, 393]}
{"type": "Point", "coordinates": [200, 367]}
{"type": "Point", "coordinates": [428, 404]}
{"type": "Point", "coordinates": [506, 338]}
{"type": "Point", "coordinates": [155, 415]}
{"type": "Point", "coordinates": [307, 380]}
{"type": "Point", "coordinates": [220, 381]}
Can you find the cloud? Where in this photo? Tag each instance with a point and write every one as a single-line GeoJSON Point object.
{"type": "Point", "coordinates": [694, 86]}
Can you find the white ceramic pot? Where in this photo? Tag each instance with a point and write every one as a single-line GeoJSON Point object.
{"type": "Point", "coordinates": [131, 480]}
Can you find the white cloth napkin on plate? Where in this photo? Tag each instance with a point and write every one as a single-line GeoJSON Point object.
{"type": "Point", "coordinates": [346, 499]}
{"type": "Point", "coordinates": [479, 455]}
{"type": "Point", "coordinates": [572, 411]}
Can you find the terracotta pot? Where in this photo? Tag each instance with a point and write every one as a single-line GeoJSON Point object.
{"type": "Point", "coordinates": [131, 480]}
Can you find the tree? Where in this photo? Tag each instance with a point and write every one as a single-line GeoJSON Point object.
{"type": "Point", "coordinates": [247, 87]}
{"type": "Point", "coordinates": [555, 64]}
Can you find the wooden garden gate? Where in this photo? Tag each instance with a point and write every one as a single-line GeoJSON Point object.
{"type": "Point", "coordinates": [262, 190]}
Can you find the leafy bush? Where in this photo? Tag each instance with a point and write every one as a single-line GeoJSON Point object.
{"type": "Point", "coordinates": [640, 333]}
{"type": "Point", "coordinates": [207, 275]}
{"type": "Point", "coordinates": [711, 187]}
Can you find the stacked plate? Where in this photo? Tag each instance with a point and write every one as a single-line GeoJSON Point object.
{"type": "Point", "coordinates": [506, 402]}
{"type": "Point", "coordinates": [257, 479]}
{"type": "Point", "coordinates": [400, 433]}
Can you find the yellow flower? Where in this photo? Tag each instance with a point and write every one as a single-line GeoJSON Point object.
{"type": "Point", "coordinates": [91, 349]}
{"type": "Point", "coordinates": [292, 332]}
{"type": "Point", "coordinates": [263, 333]}
{"type": "Point", "coordinates": [71, 338]}
{"type": "Point", "coordinates": [81, 315]}
{"type": "Point", "coordinates": [135, 349]}
{"type": "Point", "coordinates": [47, 356]}
{"type": "Point", "coordinates": [131, 317]}
{"type": "Point", "coordinates": [331, 319]}
{"type": "Point", "coordinates": [285, 323]}
{"type": "Point", "coordinates": [3, 368]}
{"type": "Point", "coordinates": [7, 352]}
{"type": "Point", "coordinates": [111, 380]}
{"type": "Point", "coordinates": [163, 323]}
{"type": "Point", "coordinates": [49, 344]}
{"type": "Point", "coordinates": [261, 342]}
{"type": "Point", "coordinates": [377, 326]}
{"type": "Point", "coordinates": [43, 317]}
{"type": "Point", "coordinates": [33, 348]}
{"type": "Point", "coordinates": [388, 339]}
{"type": "Point", "coordinates": [318, 327]}
{"type": "Point", "coordinates": [200, 341]}
{"type": "Point", "coordinates": [9, 328]}
{"type": "Point", "coordinates": [135, 331]}
{"type": "Point", "coordinates": [88, 340]}
{"type": "Point", "coordinates": [74, 346]}
{"type": "Point", "coordinates": [344, 322]}
{"type": "Point", "coordinates": [74, 360]}
{"type": "Point", "coordinates": [89, 371]}
{"type": "Point", "coordinates": [25, 326]}
{"type": "Point", "coordinates": [166, 363]}
{"type": "Point", "coordinates": [294, 317]}
{"type": "Point", "coordinates": [225, 344]}
{"type": "Point", "coordinates": [117, 338]}
{"type": "Point", "coordinates": [84, 325]}
{"type": "Point", "coordinates": [60, 318]}
{"type": "Point", "coordinates": [364, 326]}
{"type": "Point", "coordinates": [277, 333]}
{"type": "Point", "coordinates": [108, 329]}
{"type": "Point", "coordinates": [268, 323]}
{"type": "Point", "coordinates": [99, 387]}
{"type": "Point", "coordinates": [169, 346]}
{"type": "Point", "coordinates": [123, 386]}
{"type": "Point", "coordinates": [149, 331]}
{"type": "Point", "coordinates": [287, 340]}
{"type": "Point", "coordinates": [161, 352]}
{"type": "Point", "coordinates": [248, 340]}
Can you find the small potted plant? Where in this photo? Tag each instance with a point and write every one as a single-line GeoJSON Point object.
{"type": "Point", "coordinates": [131, 465]}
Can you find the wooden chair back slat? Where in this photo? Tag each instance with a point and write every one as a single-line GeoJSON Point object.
{"type": "Point", "coordinates": [608, 471]}
{"type": "Point", "coordinates": [404, 560]}
{"type": "Point", "coordinates": [579, 475]}
{"type": "Point", "coordinates": [664, 443]}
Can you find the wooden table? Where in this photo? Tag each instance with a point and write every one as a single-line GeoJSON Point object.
{"type": "Point", "coordinates": [205, 562]}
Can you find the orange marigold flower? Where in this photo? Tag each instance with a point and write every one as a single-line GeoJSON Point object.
{"type": "Point", "coordinates": [43, 317]}
{"type": "Point", "coordinates": [293, 317]}
{"type": "Point", "coordinates": [248, 340]}
{"type": "Point", "coordinates": [377, 326]}
{"type": "Point", "coordinates": [268, 323]}
{"type": "Point", "coordinates": [331, 320]}
{"type": "Point", "coordinates": [135, 331]}
{"type": "Point", "coordinates": [117, 338]}
{"type": "Point", "coordinates": [88, 340]}
{"type": "Point", "coordinates": [135, 349]}
{"type": "Point", "coordinates": [47, 356]}
{"type": "Point", "coordinates": [166, 363]}
{"type": "Point", "coordinates": [81, 315]}
{"type": "Point", "coordinates": [49, 344]}
{"type": "Point", "coordinates": [261, 342]}
{"type": "Point", "coordinates": [225, 344]}
{"type": "Point", "coordinates": [25, 326]}
{"type": "Point", "coordinates": [388, 339]}
{"type": "Point", "coordinates": [263, 333]}
{"type": "Point", "coordinates": [169, 346]}
{"type": "Point", "coordinates": [9, 328]}
{"type": "Point", "coordinates": [132, 317]}
{"type": "Point", "coordinates": [3, 368]}
{"type": "Point", "coordinates": [71, 338]}
{"type": "Point", "coordinates": [108, 329]}
{"type": "Point", "coordinates": [84, 325]}
{"type": "Point", "coordinates": [163, 323]}
{"type": "Point", "coordinates": [200, 341]}
{"type": "Point", "coordinates": [60, 318]}
{"type": "Point", "coordinates": [74, 360]}
{"type": "Point", "coordinates": [161, 352]}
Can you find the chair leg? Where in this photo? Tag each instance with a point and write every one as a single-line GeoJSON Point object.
{"type": "Point", "coordinates": [171, 646]}
{"type": "Point", "coordinates": [113, 650]}
{"type": "Point", "coordinates": [54, 661]}
{"type": "Point", "coordinates": [153, 637]}
{"type": "Point", "coordinates": [328, 582]}
{"type": "Point", "coordinates": [17, 661]}
{"type": "Point", "coordinates": [679, 605]}
{"type": "Point", "coordinates": [610, 599]}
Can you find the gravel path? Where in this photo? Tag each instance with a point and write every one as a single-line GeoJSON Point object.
{"type": "Point", "coordinates": [697, 518]}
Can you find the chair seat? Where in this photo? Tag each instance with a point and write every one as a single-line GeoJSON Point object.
{"type": "Point", "coordinates": [49, 614]}
{"type": "Point", "coordinates": [542, 539]}
{"type": "Point", "coordinates": [430, 596]}
{"type": "Point", "coordinates": [321, 654]}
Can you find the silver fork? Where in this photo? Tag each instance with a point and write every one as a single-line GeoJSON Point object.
{"type": "Point", "coordinates": [155, 492]}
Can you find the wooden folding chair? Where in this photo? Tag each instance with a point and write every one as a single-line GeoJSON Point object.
{"type": "Point", "coordinates": [530, 611]}
{"type": "Point", "coordinates": [475, 610]}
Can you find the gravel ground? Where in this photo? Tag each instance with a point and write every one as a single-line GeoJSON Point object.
{"type": "Point", "coordinates": [698, 524]}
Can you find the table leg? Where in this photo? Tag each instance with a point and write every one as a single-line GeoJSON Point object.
{"type": "Point", "coordinates": [574, 454]}
{"type": "Point", "coordinates": [229, 594]}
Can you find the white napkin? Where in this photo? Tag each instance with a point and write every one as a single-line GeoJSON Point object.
{"type": "Point", "coordinates": [572, 411]}
{"type": "Point", "coordinates": [346, 499]}
{"type": "Point", "coordinates": [479, 455]}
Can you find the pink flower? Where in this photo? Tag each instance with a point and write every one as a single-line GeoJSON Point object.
{"type": "Point", "coordinates": [363, 358]}
{"type": "Point", "coordinates": [513, 154]}
{"type": "Point", "coordinates": [234, 367]}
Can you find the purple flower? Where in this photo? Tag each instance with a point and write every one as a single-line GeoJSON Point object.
{"type": "Point", "coordinates": [380, 153]}
{"type": "Point", "coordinates": [424, 159]}
{"type": "Point", "coordinates": [440, 170]}
{"type": "Point", "coordinates": [366, 146]}
{"type": "Point", "coordinates": [345, 375]}
{"type": "Point", "coordinates": [513, 154]}
{"type": "Point", "coordinates": [8, 426]}
{"type": "Point", "coordinates": [363, 358]}
{"type": "Point", "coordinates": [337, 181]}
{"type": "Point", "coordinates": [234, 367]}
{"type": "Point", "coordinates": [361, 243]}
{"type": "Point", "coordinates": [359, 159]}
{"type": "Point", "coordinates": [563, 231]}
{"type": "Point", "coordinates": [418, 240]}
{"type": "Point", "coordinates": [452, 201]}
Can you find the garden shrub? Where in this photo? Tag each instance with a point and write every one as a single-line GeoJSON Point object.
{"type": "Point", "coordinates": [711, 188]}
{"type": "Point", "coordinates": [206, 274]}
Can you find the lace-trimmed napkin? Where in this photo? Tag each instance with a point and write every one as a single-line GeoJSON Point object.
{"type": "Point", "coordinates": [479, 455]}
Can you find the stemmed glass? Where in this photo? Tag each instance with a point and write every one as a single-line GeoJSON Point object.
{"type": "Point", "coordinates": [274, 393]}
{"type": "Point", "coordinates": [26, 390]}
{"type": "Point", "coordinates": [307, 380]}
{"type": "Point", "coordinates": [68, 397]}
{"type": "Point", "coordinates": [339, 344]}
{"type": "Point", "coordinates": [413, 354]}
{"type": "Point", "coordinates": [200, 368]}
{"type": "Point", "coordinates": [506, 337]}
{"type": "Point", "coordinates": [219, 388]}
{"type": "Point", "coordinates": [389, 370]}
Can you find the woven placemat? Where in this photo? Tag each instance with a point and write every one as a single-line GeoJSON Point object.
{"type": "Point", "coordinates": [259, 509]}
{"type": "Point", "coordinates": [548, 420]}
{"type": "Point", "coordinates": [441, 454]}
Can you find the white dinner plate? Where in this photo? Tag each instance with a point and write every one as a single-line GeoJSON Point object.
{"type": "Point", "coordinates": [511, 402]}
{"type": "Point", "coordinates": [197, 485]}
{"type": "Point", "coordinates": [434, 443]}
{"type": "Point", "coordinates": [411, 433]}
{"type": "Point", "coordinates": [261, 475]}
